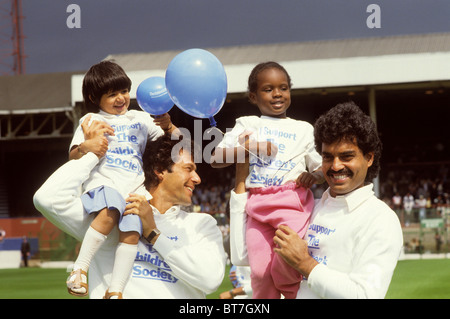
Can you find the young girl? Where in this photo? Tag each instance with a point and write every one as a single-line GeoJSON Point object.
{"type": "Point", "coordinates": [124, 133]}
{"type": "Point", "coordinates": [280, 150]}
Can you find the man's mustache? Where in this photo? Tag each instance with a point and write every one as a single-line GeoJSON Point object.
{"type": "Point", "coordinates": [340, 172]}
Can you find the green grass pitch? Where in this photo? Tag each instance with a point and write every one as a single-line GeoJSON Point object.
{"type": "Point", "coordinates": [413, 279]}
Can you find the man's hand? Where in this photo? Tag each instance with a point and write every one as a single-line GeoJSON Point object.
{"type": "Point", "coordinates": [96, 128]}
{"type": "Point", "coordinates": [94, 136]}
{"type": "Point", "coordinates": [293, 250]}
{"type": "Point", "coordinates": [138, 205]}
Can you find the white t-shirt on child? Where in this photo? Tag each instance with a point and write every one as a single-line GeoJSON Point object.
{"type": "Point", "coordinates": [294, 140]}
{"type": "Point", "coordinates": [121, 167]}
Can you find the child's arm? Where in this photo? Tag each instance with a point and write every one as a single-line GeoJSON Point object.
{"type": "Point", "coordinates": [223, 157]}
{"type": "Point", "coordinates": [94, 139]}
{"type": "Point", "coordinates": [165, 123]}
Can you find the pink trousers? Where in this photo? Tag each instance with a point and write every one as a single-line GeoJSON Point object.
{"type": "Point", "coordinates": [267, 208]}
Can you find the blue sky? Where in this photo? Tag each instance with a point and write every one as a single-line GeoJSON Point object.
{"type": "Point", "coordinates": [125, 26]}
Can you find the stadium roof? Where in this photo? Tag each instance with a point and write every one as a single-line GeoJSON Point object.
{"type": "Point", "coordinates": [35, 93]}
{"type": "Point", "coordinates": [299, 51]}
{"type": "Point", "coordinates": [314, 64]}
{"type": "Point", "coordinates": [318, 65]}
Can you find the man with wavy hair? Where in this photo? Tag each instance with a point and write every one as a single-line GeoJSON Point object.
{"type": "Point", "coordinates": [354, 239]}
{"type": "Point", "coordinates": [180, 254]}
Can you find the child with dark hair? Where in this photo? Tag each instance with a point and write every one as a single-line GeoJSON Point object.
{"type": "Point", "coordinates": [283, 166]}
{"type": "Point", "coordinates": [123, 135]}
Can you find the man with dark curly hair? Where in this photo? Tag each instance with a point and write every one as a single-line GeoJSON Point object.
{"type": "Point", "coordinates": [180, 254]}
{"type": "Point", "coordinates": [354, 239]}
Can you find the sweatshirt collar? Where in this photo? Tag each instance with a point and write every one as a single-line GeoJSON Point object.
{"type": "Point", "coordinates": [352, 200]}
{"type": "Point", "coordinates": [110, 116]}
{"type": "Point", "coordinates": [273, 118]}
{"type": "Point", "coordinates": [172, 210]}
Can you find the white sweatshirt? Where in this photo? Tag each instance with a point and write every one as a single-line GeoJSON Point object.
{"type": "Point", "coordinates": [121, 167]}
{"type": "Point", "coordinates": [187, 260]}
{"type": "Point", "coordinates": [294, 140]}
{"type": "Point", "coordinates": [356, 239]}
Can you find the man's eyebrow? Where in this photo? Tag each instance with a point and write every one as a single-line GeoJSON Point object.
{"type": "Point", "coordinates": [344, 153]}
{"type": "Point", "coordinates": [191, 165]}
{"type": "Point", "coordinates": [347, 153]}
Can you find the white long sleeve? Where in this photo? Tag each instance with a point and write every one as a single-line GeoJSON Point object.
{"type": "Point", "coordinates": [372, 270]}
{"type": "Point", "coordinates": [294, 140]}
{"type": "Point", "coordinates": [357, 240]}
{"type": "Point", "coordinates": [238, 222]}
{"type": "Point", "coordinates": [188, 260]}
{"type": "Point", "coordinates": [201, 260]}
{"type": "Point", "coordinates": [58, 199]}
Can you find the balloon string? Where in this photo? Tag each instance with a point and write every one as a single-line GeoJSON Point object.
{"type": "Point", "coordinates": [260, 157]}
{"type": "Point", "coordinates": [264, 162]}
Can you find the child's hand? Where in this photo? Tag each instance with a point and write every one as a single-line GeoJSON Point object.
{"type": "Point", "coordinates": [263, 149]}
{"type": "Point", "coordinates": [307, 179]}
{"type": "Point", "coordinates": [266, 148]}
{"type": "Point", "coordinates": [164, 122]}
{"type": "Point", "coordinates": [245, 141]}
{"type": "Point", "coordinates": [244, 138]}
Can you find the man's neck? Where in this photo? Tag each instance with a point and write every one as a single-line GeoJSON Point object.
{"type": "Point", "coordinates": [159, 201]}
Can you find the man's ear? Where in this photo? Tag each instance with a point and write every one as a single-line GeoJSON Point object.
{"type": "Point", "coordinates": [369, 157]}
{"type": "Point", "coordinates": [160, 175]}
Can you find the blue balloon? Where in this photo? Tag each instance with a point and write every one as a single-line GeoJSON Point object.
{"type": "Point", "coordinates": [152, 96]}
{"type": "Point", "coordinates": [197, 83]}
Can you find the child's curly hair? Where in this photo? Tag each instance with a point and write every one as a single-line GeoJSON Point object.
{"type": "Point", "coordinates": [253, 78]}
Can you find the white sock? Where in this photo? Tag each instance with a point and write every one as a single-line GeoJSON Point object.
{"type": "Point", "coordinates": [123, 264]}
{"type": "Point", "coordinates": [92, 241]}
